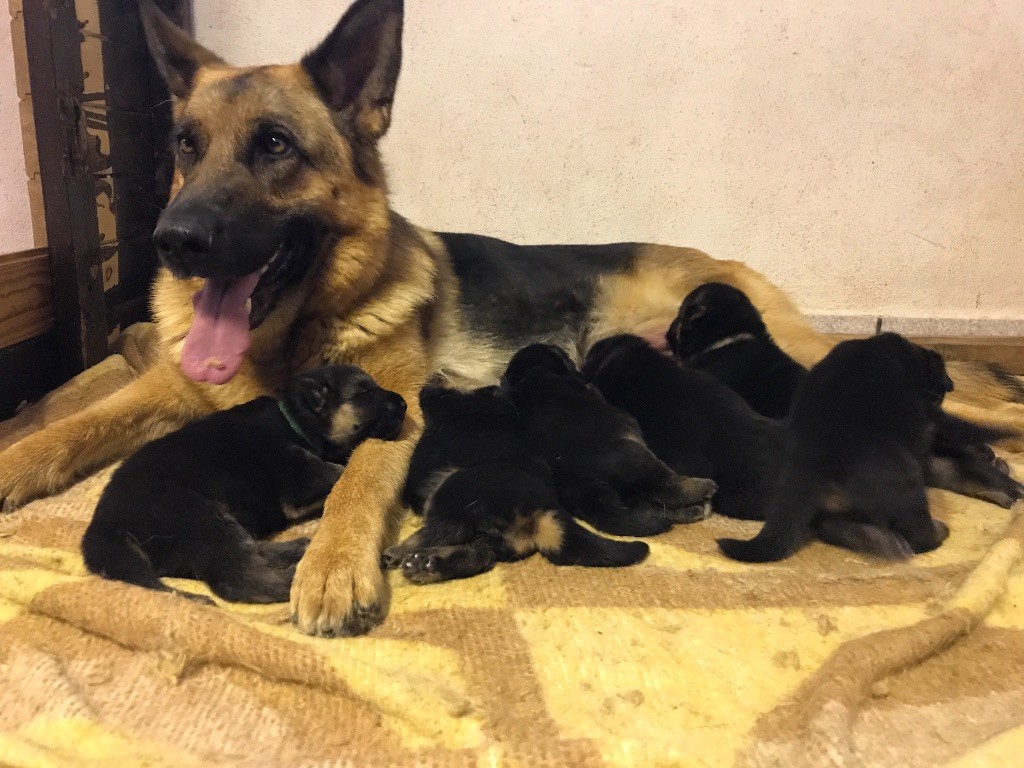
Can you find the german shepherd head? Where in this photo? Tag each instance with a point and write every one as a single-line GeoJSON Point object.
{"type": "Point", "coordinates": [274, 165]}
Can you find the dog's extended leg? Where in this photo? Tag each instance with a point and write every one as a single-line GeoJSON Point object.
{"type": "Point", "coordinates": [50, 459]}
{"type": "Point", "coordinates": [339, 588]}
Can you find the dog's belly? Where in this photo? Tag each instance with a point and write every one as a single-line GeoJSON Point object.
{"type": "Point", "coordinates": [511, 295]}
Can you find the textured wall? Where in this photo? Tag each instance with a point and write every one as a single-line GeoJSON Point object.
{"type": "Point", "coordinates": [15, 218]}
{"type": "Point", "coordinates": [866, 155]}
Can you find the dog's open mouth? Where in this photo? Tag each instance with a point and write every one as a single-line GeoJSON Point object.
{"type": "Point", "coordinates": [226, 310]}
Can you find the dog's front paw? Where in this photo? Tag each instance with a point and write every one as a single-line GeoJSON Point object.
{"type": "Point", "coordinates": [27, 470]}
{"type": "Point", "coordinates": [337, 593]}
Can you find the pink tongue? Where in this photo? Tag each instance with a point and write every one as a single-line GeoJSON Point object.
{"type": "Point", "coordinates": [219, 336]}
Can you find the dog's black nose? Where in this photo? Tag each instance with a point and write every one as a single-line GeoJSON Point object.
{"type": "Point", "coordinates": [186, 237]}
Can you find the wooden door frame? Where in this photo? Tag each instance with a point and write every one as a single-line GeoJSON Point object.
{"type": "Point", "coordinates": [83, 315]}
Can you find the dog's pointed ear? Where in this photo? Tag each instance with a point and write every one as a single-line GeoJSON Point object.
{"type": "Point", "coordinates": [356, 67]}
{"type": "Point", "coordinates": [177, 56]}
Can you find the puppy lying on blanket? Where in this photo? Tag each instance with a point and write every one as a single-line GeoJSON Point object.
{"type": "Point", "coordinates": [194, 503]}
{"type": "Point", "coordinates": [718, 330]}
{"type": "Point", "coordinates": [693, 423]}
{"type": "Point", "coordinates": [486, 498]}
{"type": "Point", "coordinates": [863, 424]}
{"type": "Point", "coordinates": [604, 470]}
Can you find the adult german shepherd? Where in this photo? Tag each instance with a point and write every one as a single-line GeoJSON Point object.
{"type": "Point", "coordinates": [280, 253]}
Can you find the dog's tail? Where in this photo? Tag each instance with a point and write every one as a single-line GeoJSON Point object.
{"type": "Point", "coordinates": [566, 542]}
{"type": "Point", "coordinates": [863, 537]}
{"type": "Point", "coordinates": [115, 554]}
{"type": "Point", "coordinates": [787, 526]}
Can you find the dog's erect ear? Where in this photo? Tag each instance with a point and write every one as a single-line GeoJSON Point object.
{"type": "Point", "coordinates": [356, 67]}
{"type": "Point", "coordinates": [177, 56]}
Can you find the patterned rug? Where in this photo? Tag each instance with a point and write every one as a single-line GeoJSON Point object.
{"type": "Point", "coordinates": [687, 659]}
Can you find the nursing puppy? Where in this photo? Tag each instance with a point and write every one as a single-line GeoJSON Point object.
{"type": "Point", "coordinates": [195, 503]}
{"type": "Point", "coordinates": [693, 423]}
{"type": "Point", "coordinates": [486, 498]}
{"type": "Point", "coordinates": [718, 330]}
{"type": "Point", "coordinates": [862, 426]}
{"type": "Point", "coordinates": [604, 470]}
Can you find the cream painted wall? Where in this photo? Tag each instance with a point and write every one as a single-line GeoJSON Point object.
{"type": "Point", "coordinates": [15, 221]}
{"type": "Point", "coordinates": [866, 155]}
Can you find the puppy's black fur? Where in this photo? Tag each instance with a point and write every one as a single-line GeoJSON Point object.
{"type": "Point", "coordinates": [718, 330]}
{"type": "Point", "coordinates": [604, 470]}
{"type": "Point", "coordinates": [486, 497]}
{"type": "Point", "coordinates": [692, 422]}
{"type": "Point", "coordinates": [862, 424]}
{"type": "Point", "coordinates": [195, 503]}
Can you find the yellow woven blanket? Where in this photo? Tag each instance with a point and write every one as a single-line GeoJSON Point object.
{"type": "Point", "coordinates": [687, 659]}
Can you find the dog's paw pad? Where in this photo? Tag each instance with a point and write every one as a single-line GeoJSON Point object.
{"type": "Point", "coordinates": [422, 567]}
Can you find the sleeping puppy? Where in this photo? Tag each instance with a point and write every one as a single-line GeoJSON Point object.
{"type": "Point", "coordinates": [195, 503]}
{"type": "Point", "coordinates": [604, 471]}
{"type": "Point", "coordinates": [719, 331]}
{"type": "Point", "coordinates": [863, 424]}
{"type": "Point", "coordinates": [693, 423]}
{"type": "Point", "coordinates": [485, 497]}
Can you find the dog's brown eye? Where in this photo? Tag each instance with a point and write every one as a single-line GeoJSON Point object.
{"type": "Point", "coordinates": [186, 144]}
{"type": "Point", "coordinates": [275, 143]}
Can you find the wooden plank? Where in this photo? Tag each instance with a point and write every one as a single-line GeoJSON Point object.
{"type": "Point", "coordinates": [26, 298]}
{"type": "Point", "coordinates": [1005, 351]}
{"type": "Point", "coordinates": [56, 79]}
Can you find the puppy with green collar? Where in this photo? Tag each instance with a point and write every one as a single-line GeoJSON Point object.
{"type": "Point", "coordinates": [197, 502]}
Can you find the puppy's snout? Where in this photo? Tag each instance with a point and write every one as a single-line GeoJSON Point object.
{"type": "Point", "coordinates": [392, 416]}
{"type": "Point", "coordinates": [396, 406]}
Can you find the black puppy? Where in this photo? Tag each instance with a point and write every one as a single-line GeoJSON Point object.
{"type": "Point", "coordinates": [604, 470]}
{"type": "Point", "coordinates": [720, 331]}
{"type": "Point", "coordinates": [692, 422]}
{"type": "Point", "coordinates": [863, 424]}
{"type": "Point", "coordinates": [486, 498]}
{"type": "Point", "coordinates": [195, 502]}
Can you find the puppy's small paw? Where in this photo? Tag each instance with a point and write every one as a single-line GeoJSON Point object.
{"type": "Point", "coordinates": [693, 513]}
{"type": "Point", "coordinates": [201, 599]}
{"type": "Point", "coordinates": [422, 567]}
{"type": "Point", "coordinates": [998, 498]}
{"type": "Point", "coordinates": [391, 558]}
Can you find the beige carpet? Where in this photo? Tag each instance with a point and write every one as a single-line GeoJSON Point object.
{"type": "Point", "coordinates": [688, 659]}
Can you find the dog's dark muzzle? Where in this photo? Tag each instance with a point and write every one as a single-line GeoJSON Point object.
{"type": "Point", "coordinates": [198, 238]}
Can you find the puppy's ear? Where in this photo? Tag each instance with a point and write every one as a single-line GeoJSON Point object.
{"type": "Point", "coordinates": [305, 394]}
{"type": "Point", "coordinates": [356, 68]}
{"type": "Point", "coordinates": [695, 312]}
{"type": "Point", "coordinates": [178, 57]}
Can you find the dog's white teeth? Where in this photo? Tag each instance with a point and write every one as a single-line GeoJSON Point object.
{"type": "Point", "coordinates": [248, 306]}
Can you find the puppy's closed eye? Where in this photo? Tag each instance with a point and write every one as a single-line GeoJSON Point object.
{"type": "Point", "coordinates": [316, 398]}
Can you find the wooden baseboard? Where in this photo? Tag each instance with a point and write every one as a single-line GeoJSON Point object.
{"type": "Point", "coordinates": [26, 296]}
{"type": "Point", "coordinates": [1005, 351]}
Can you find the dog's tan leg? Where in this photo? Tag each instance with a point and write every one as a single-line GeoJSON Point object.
{"type": "Point", "coordinates": [48, 460]}
{"type": "Point", "coordinates": [339, 588]}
